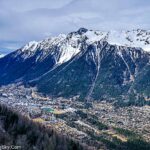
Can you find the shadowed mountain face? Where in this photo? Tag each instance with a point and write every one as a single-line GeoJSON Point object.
{"type": "Point", "coordinates": [75, 65]}
{"type": "Point", "coordinates": [102, 71]}
{"type": "Point", "coordinates": [15, 68]}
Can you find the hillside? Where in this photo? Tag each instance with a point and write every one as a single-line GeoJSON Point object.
{"type": "Point", "coordinates": [18, 130]}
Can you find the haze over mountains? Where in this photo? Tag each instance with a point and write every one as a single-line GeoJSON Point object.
{"type": "Point", "coordinates": [86, 64]}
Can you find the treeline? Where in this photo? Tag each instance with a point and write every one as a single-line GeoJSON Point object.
{"type": "Point", "coordinates": [16, 129]}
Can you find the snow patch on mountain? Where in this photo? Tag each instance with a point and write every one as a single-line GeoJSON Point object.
{"type": "Point", "coordinates": [31, 46]}
{"type": "Point", "coordinates": [134, 38]}
{"type": "Point", "coordinates": [2, 55]}
{"type": "Point", "coordinates": [48, 43]}
{"type": "Point", "coordinates": [94, 36]}
{"type": "Point", "coordinates": [67, 53]}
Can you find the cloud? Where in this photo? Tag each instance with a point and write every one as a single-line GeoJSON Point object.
{"type": "Point", "coordinates": [25, 20]}
{"type": "Point", "coordinates": [26, 5]}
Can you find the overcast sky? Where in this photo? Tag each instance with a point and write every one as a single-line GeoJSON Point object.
{"type": "Point", "coordinates": [24, 20]}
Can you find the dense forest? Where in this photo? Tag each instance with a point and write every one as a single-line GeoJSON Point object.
{"type": "Point", "coordinates": [20, 131]}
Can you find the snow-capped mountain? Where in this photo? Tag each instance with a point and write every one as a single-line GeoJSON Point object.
{"type": "Point", "coordinates": [69, 45]}
{"type": "Point", "coordinates": [85, 63]}
{"type": "Point", "coordinates": [37, 58]}
{"type": "Point", "coordinates": [62, 47]}
{"type": "Point", "coordinates": [133, 38]}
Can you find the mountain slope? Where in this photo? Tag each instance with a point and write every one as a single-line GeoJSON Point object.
{"type": "Point", "coordinates": [103, 71]}
{"type": "Point", "coordinates": [35, 59]}
{"type": "Point", "coordinates": [16, 129]}
{"type": "Point", "coordinates": [86, 64]}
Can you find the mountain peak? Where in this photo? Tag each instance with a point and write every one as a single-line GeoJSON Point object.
{"type": "Point", "coordinates": [32, 45]}
{"type": "Point", "coordinates": [82, 30]}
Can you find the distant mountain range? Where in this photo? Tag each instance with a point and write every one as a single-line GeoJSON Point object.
{"type": "Point", "coordinates": [86, 64]}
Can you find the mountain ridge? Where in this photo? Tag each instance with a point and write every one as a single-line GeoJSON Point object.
{"type": "Point", "coordinates": [130, 38]}
{"type": "Point", "coordinates": [83, 63]}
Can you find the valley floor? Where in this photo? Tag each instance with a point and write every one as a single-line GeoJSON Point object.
{"type": "Point", "coordinates": [100, 124]}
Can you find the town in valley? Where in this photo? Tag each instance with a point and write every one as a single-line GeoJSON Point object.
{"type": "Point", "coordinates": [75, 119]}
